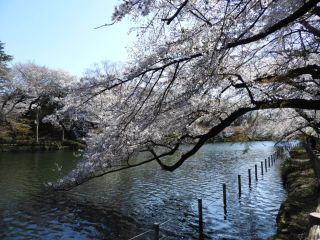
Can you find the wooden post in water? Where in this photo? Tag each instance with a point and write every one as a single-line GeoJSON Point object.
{"type": "Point", "coordinates": [262, 168]}
{"type": "Point", "coordinates": [225, 201]}
{"type": "Point", "coordinates": [249, 176]}
{"type": "Point", "coordinates": [269, 162]}
{"type": "Point", "coordinates": [239, 184]}
{"type": "Point", "coordinates": [256, 171]}
{"type": "Point", "coordinates": [200, 217]}
{"type": "Point", "coordinates": [265, 165]}
{"type": "Point", "coordinates": [224, 187]}
{"type": "Point", "coordinates": [156, 227]}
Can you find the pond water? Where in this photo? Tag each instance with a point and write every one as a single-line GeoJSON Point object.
{"type": "Point", "coordinates": [124, 204]}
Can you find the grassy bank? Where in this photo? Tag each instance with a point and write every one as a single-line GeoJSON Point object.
{"type": "Point", "coordinates": [303, 189]}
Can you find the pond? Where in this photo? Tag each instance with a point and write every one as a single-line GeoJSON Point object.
{"type": "Point", "coordinates": [124, 204]}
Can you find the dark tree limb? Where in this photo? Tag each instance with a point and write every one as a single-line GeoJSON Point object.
{"type": "Point", "coordinates": [202, 17]}
{"type": "Point", "coordinates": [243, 84]}
{"type": "Point", "coordinates": [313, 70]}
{"type": "Point", "coordinates": [283, 23]}
{"type": "Point", "coordinates": [170, 19]}
{"type": "Point", "coordinates": [311, 28]}
{"type": "Point", "coordinates": [279, 103]}
{"type": "Point", "coordinates": [312, 121]}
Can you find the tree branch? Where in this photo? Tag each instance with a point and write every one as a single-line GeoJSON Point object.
{"type": "Point", "coordinates": [170, 19]}
{"type": "Point", "coordinates": [284, 22]}
{"type": "Point", "coordinates": [310, 28]}
{"type": "Point", "coordinates": [313, 70]}
{"type": "Point", "coordinates": [279, 103]}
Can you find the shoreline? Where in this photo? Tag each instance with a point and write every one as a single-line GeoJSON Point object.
{"type": "Point", "coordinates": [33, 147]}
{"type": "Point", "coordinates": [75, 145]}
{"type": "Point", "coordinates": [302, 184]}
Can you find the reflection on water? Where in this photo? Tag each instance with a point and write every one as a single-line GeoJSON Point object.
{"type": "Point", "coordinates": [124, 204]}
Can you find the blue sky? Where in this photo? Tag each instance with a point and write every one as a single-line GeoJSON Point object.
{"type": "Point", "coordinates": [60, 33]}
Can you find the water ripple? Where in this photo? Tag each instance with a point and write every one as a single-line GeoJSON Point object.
{"type": "Point", "coordinates": [124, 204]}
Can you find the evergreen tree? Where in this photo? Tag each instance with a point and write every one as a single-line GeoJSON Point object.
{"type": "Point", "coordinates": [4, 59]}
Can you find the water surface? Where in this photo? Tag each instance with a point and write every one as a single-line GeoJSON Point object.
{"type": "Point", "coordinates": [124, 204]}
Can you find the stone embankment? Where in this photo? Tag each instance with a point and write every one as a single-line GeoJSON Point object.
{"type": "Point", "coordinates": [301, 181]}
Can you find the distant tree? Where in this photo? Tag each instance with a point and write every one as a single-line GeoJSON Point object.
{"type": "Point", "coordinates": [82, 113]}
{"type": "Point", "coordinates": [4, 60]}
{"type": "Point", "coordinates": [35, 91]}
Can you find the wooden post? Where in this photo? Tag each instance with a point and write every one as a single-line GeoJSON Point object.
{"type": "Point", "coordinates": [200, 217]}
{"type": "Point", "coordinates": [249, 176]}
{"type": "Point", "coordinates": [261, 168]}
{"type": "Point", "coordinates": [225, 201]}
{"type": "Point", "coordinates": [265, 165]}
{"type": "Point", "coordinates": [224, 187]}
{"type": "Point", "coordinates": [156, 227]}
{"type": "Point", "coordinates": [256, 171]}
{"type": "Point", "coordinates": [239, 184]}
{"type": "Point", "coordinates": [269, 162]}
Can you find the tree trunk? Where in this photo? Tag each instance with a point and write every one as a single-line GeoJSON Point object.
{"type": "Point", "coordinates": [37, 127]}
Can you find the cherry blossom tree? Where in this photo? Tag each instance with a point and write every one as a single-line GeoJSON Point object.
{"type": "Point", "coordinates": [34, 90]}
{"type": "Point", "coordinates": [197, 67]}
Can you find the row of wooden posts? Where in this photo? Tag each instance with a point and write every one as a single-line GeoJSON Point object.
{"type": "Point", "coordinates": [264, 166]}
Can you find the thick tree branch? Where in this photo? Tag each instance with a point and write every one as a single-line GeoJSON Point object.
{"type": "Point", "coordinates": [283, 23]}
{"type": "Point", "coordinates": [310, 28]}
{"type": "Point", "coordinates": [170, 19]}
{"type": "Point", "coordinates": [313, 70]}
{"type": "Point", "coordinates": [279, 103]}
{"type": "Point", "coordinates": [312, 121]}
